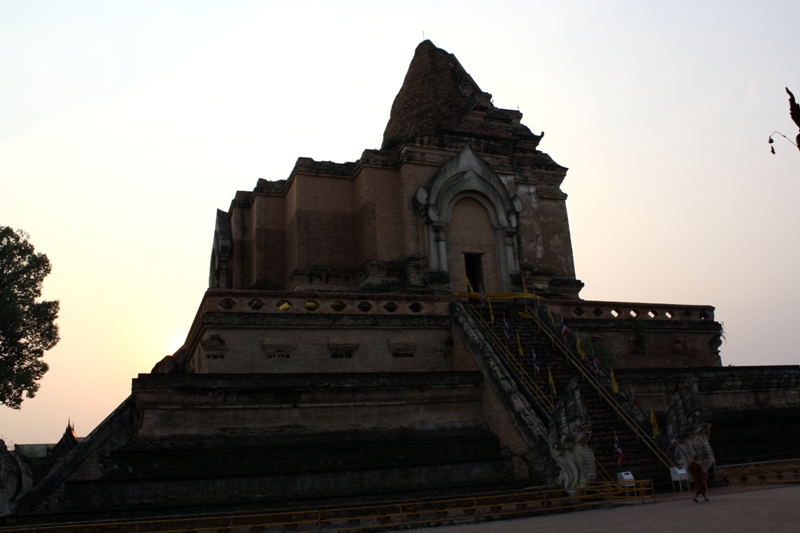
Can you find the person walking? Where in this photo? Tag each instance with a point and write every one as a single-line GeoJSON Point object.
{"type": "Point", "coordinates": [700, 478]}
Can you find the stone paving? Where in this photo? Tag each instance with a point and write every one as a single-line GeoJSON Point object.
{"type": "Point", "coordinates": [731, 510]}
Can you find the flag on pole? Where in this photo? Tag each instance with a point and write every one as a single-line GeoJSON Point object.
{"type": "Point", "coordinates": [284, 306]}
{"type": "Point", "coordinates": [552, 383]}
{"type": "Point", "coordinates": [614, 386]}
{"type": "Point", "coordinates": [519, 346]}
{"type": "Point", "coordinates": [550, 316]}
{"type": "Point", "coordinates": [673, 445]}
{"type": "Point", "coordinates": [655, 423]}
{"type": "Point", "coordinates": [483, 295]}
{"type": "Point", "coordinates": [579, 347]}
{"type": "Point", "coordinates": [596, 365]}
{"type": "Point", "coordinates": [535, 362]}
{"type": "Point", "coordinates": [618, 451]}
{"type": "Point", "coordinates": [636, 403]}
{"type": "Point", "coordinates": [524, 287]}
{"type": "Point", "coordinates": [491, 313]}
{"type": "Point", "coordinates": [469, 286]}
{"type": "Point", "coordinates": [564, 330]}
{"type": "Point", "coordinates": [506, 331]}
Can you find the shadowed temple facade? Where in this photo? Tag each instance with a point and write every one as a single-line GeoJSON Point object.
{"type": "Point", "coordinates": [335, 357]}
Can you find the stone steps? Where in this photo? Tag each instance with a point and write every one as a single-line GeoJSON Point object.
{"type": "Point", "coordinates": [639, 460]}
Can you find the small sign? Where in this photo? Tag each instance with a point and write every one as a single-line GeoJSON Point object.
{"type": "Point", "coordinates": [678, 474]}
{"type": "Point", "coordinates": [624, 476]}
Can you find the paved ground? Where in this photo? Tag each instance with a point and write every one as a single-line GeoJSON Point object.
{"type": "Point", "coordinates": [770, 509]}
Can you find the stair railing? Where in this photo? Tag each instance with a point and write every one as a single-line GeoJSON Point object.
{"type": "Point", "coordinates": [602, 472]}
{"type": "Point", "coordinates": [622, 414]}
{"type": "Point", "coordinates": [525, 376]}
{"type": "Point", "coordinates": [513, 361]}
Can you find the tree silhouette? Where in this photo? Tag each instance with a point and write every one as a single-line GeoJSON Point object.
{"type": "Point", "coordinates": [27, 327]}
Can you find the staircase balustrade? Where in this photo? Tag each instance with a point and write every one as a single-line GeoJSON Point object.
{"type": "Point", "coordinates": [575, 360]}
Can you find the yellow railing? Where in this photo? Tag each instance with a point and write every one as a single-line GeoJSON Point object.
{"type": "Point", "coordinates": [557, 342]}
{"type": "Point", "coordinates": [602, 473]}
{"type": "Point", "coordinates": [633, 491]}
{"type": "Point", "coordinates": [586, 375]}
{"type": "Point", "coordinates": [514, 362]}
{"type": "Point", "coordinates": [526, 378]}
{"type": "Point", "coordinates": [769, 472]}
{"type": "Point", "coordinates": [381, 517]}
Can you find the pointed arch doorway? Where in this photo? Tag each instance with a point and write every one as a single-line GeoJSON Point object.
{"type": "Point", "coordinates": [472, 246]}
{"type": "Point", "coordinates": [467, 211]}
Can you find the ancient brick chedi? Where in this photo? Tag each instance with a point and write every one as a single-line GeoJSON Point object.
{"type": "Point", "coordinates": [330, 361]}
{"type": "Point", "coordinates": [458, 183]}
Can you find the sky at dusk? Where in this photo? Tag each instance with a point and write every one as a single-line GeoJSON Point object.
{"type": "Point", "coordinates": [125, 125]}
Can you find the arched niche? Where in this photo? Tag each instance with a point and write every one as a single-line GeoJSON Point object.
{"type": "Point", "coordinates": [466, 176]}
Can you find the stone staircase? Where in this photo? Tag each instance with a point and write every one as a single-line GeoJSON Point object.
{"type": "Point", "coordinates": [605, 421]}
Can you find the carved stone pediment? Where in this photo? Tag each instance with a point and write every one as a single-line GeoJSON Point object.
{"type": "Point", "coordinates": [402, 346]}
{"type": "Point", "coordinates": [467, 176]}
{"type": "Point", "coordinates": [213, 346]}
{"type": "Point", "coordinates": [466, 173]}
{"type": "Point", "coordinates": [275, 350]}
{"type": "Point", "coordinates": [342, 350]}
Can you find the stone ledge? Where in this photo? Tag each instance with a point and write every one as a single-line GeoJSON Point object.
{"type": "Point", "coordinates": [260, 382]}
{"type": "Point", "coordinates": [589, 309]}
{"type": "Point", "coordinates": [323, 321]}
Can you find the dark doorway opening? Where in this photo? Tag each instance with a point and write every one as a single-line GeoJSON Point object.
{"type": "Point", "coordinates": [474, 269]}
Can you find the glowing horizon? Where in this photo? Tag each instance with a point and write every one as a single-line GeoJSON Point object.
{"type": "Point", "coordinates": [126, 125]}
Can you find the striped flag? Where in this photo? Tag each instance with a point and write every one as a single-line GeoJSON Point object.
{"type": "Point", "coordinates": [535, 362]}
{"type": "Point", "coordinates": [564, 330]}
{"type": "Point", "coordinates": [673, 445]}
{"type": "Point", "coordinates": [483, 295]}
{"type": "Point", "coordinates": [596, 365]}
{"type": "Point", "coordinates": [506, 331]}
{"type": "Point", "coordinates": [618, 451]}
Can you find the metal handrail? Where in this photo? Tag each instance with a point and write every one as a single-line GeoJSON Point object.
{"type": "Point", "coordinates": [515, 363]}
{"type": "Point", "coordinates": [602, 472]}
{"type": "Point", "coordinates": [663, 458]}
{"type": "Point", "coordinates": [627, 491]}
{"type": "Point", "coordinates": [525, 377]}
